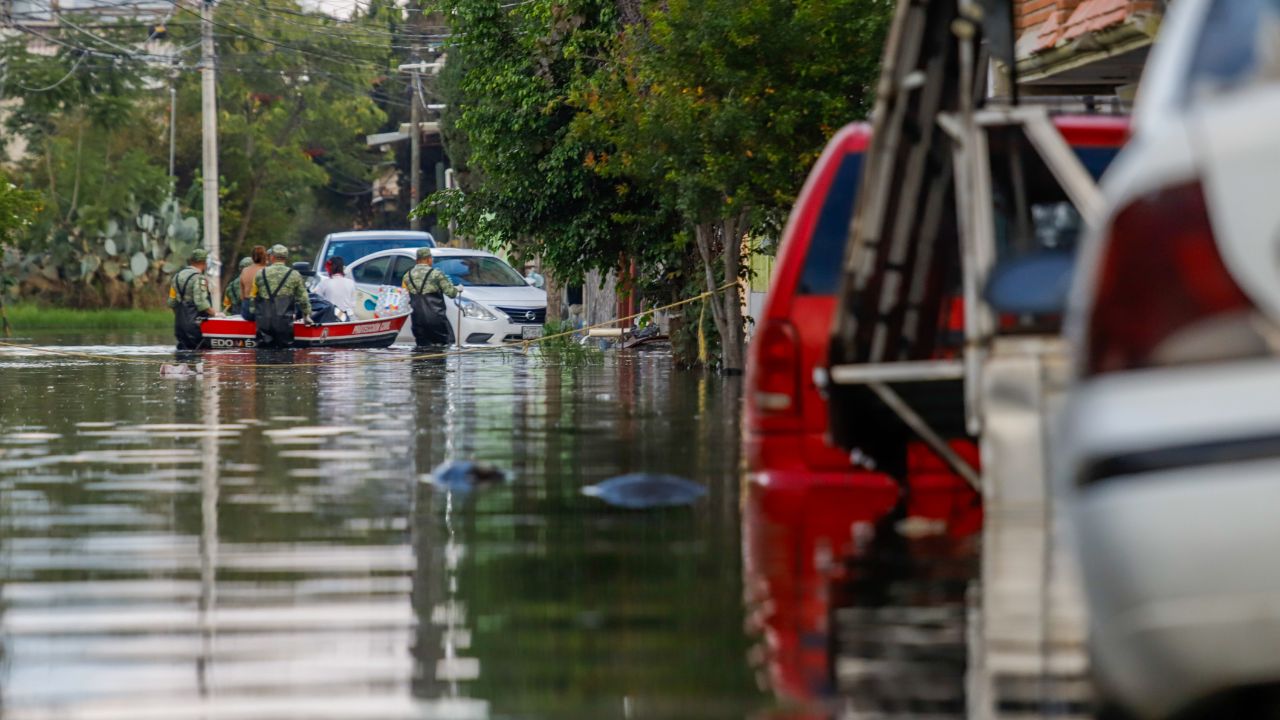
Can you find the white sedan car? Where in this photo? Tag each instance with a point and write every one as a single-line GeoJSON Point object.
{"type": "Point", "coordinates": [1171, 454]}
{"type": "Point", "coordinates": [496, 306]}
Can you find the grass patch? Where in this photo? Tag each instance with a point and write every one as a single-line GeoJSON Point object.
{"type": "Point", "coordinates": [28, 316]}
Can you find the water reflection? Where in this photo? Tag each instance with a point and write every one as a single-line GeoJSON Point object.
{"type": "Point", "coordinates": [256, 542]}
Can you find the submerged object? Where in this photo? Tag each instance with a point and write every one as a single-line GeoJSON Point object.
{"type": "Point", "coordinates": [640, 491]}
{"type": "Point", "coordinates": [180, 370]}
{"type": "Point", "coordinates": [465, 475]}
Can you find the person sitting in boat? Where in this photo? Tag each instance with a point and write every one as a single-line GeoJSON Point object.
{"type": "Point", "coordinates": [232, 296]}
{"type": "Point", "coordinates": [338, 290]}
{"type": "Point", "coordinates": [247, 277]}
{"type": "Point", "coordinates": [427, 288]}
{"type": "Point", "coordinates": [190, 299]}
{"type": "Point", "coordinates": [279, 295]}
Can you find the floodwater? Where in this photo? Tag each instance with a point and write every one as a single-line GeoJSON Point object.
{"type": "Point", "coordinates": [258, 542]}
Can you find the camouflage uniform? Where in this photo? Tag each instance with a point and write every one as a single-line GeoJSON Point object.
{"type": "Point", "coordinates": [231, 296]}
{"type": "Point", "coordinates": [429, 280]}
{"type": "Point", "coordinates": [294, 286]}
{"type": "Point", "coordinates": [279, 294]}
{"type": "Point", "coordinates": [189, 298]}
{"type": "Point", "coordinates": [197, 290]}
{"type": "Point", "coordinates": [427, 288]}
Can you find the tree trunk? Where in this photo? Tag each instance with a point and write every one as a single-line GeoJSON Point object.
{"type": "Point", "coordinates": [75, 185]}
{"type": "Point", "coordinates": [726, 305]}
{"type": "Point", "coordinates": [734, 339]}
{"type": "Point", "coordinates": [705, 236]}
{"type": "Point", "coordinates": [554, 310]}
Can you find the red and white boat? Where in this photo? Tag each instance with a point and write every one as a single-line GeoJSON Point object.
{"type": "Point", "coordinates": [234, 332]}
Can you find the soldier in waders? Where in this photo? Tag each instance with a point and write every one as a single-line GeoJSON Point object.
{"type": "Point", "coordinates": [427, 288]}
{"type": "Point", "coordinates": [278, 295]}
{"type": "Point", "coordinates": [189, 297]}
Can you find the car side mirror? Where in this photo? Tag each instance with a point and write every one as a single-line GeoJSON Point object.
{"type": "Point", "coordinates": [531, 282]}
{"type": "Point", "coordinates": [1035, 284]}
{"type": "Point", "coordinates": [303, 268]}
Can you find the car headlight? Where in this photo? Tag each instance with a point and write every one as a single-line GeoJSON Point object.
{"type": "Point", "coordinates": [474, 310]}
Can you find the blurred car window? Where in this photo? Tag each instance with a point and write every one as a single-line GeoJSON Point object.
{"type": "Point", "coordinates": [399, 267]}
{"type": "Point", "coordinates": [1239, 46]}
{"type": "Point", "coordinates": [352, 250]}
{"type": "Point", "coordinates": [823, 263]}
{"type": "Point", "coordinates": [480, 271]}
{"type": "Point", "coordinates": [373, 272]}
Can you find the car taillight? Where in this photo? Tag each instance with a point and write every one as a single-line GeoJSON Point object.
{"type": "Point", "coordinates": [775, 386]}
{"type": "Point", "coordinates": [1164, 296]}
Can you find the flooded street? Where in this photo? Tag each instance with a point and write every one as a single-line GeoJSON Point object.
{"type": "Point", "coordinates": [258, 542]}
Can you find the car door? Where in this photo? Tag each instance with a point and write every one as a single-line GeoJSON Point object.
{"type": "Point", "coordinates": [369, 276]}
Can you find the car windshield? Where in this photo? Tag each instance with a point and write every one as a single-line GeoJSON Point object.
{"type": "Point", "coordinates": [1239, 46]}
{"type": "Point", "coordinates": [352, 250]}
{"type": "Point", "coordinates": [479, 271]}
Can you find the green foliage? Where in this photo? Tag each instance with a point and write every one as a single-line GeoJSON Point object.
{"type": "Point", "coordinates": [294, 108]}
{"type": "Point", "coordinates": [665, 138]}
{"type": "Point", "coordinates": [722, 106]}
{"type": "Point", "coordinates": [295, 105]}
{"type": "Point", "coordinates": [527, 181]}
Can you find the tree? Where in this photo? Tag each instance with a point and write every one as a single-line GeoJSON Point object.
{"type": "Point", "coordinates": [294, 106]}
{"type": "Point", "coordinates": [527, 180]}
{"type": "Point", "coordinates": [721, 106]}
{"type": "Point", "coordinates": [18, 209]}
{"type": "Point", "coordinates": [91, 120]}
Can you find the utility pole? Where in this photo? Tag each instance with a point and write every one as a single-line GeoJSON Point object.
{"type": "Point", "coordinates": [209, 134]}
{"type": "Point", "coordinates": [173, 125]}
{"type": "Point", "coordinates": [415, 128]}
{"type": "Point", "coordinates": [415, 148]}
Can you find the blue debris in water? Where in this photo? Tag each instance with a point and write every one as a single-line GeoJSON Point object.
{"type": "Point", "coordinates": [641, 491]}
{"type": "Point", "coordinates": [463, 476]}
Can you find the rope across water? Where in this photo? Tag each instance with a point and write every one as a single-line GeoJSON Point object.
{"type": "Point", "coordinates": [363, 359]}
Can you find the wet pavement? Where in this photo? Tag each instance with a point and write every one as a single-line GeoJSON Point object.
{"type": "Point", "coordinates": [258, 542]}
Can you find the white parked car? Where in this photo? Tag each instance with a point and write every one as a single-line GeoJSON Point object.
{"type": "Point", "coordinates": [1171, 452]}
{"type": "Point", "coordinates": [497, 304]}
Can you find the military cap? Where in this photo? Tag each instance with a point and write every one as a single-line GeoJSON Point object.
{"type": "Point", "coordinates": [424, 253]}
{"type": "Point", "coordinates": [279, 250]}
{"type": "Point", "coordinates": [245, 262]}
{"type": "Point", "coordinates": [199, 255]}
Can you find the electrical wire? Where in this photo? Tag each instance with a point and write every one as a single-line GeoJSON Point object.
{"type": "Point", "coordinates": [249, 34]}
{"type": "Point", "coordinates": [75, 66]}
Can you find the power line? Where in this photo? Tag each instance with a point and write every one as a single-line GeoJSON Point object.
{"type": "Point", "coordinates": [75, 66]}
{"type": "Point", "coordinates": [243, 32]}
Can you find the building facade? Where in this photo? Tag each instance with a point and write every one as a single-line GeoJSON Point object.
{"type": "Point", "coordinates": [1091, 48]}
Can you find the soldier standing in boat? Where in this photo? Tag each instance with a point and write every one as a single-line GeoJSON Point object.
{"type": "Point", "coordinates": [278, 295]}
{"type": "Point", "coordinates": [190, 299]}
{"type": "Point", "coordinates": [427, 288]}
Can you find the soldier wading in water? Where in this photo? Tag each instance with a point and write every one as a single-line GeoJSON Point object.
{"type": "Point", "coordinates": [427, 287]}
{"type": "Point", "coordinates": [189, 297]}
{"type": "Point", "coordinates": [279, 293]}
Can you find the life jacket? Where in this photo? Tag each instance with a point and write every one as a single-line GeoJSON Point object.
{"type": "Point", "coordinates": [274, 313]}
{"type": "Point", "coordinates": [430, 323]}
{"type": "Point", "coordinates": [186, 319]}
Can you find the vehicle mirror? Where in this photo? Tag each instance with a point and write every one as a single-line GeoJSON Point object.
{"type": "Point", "coordinates": [531, 282]}
{"type": "Point", "coordinates": [1035, 284]}
{"type": "Point", "coordinates": [303, 268]}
